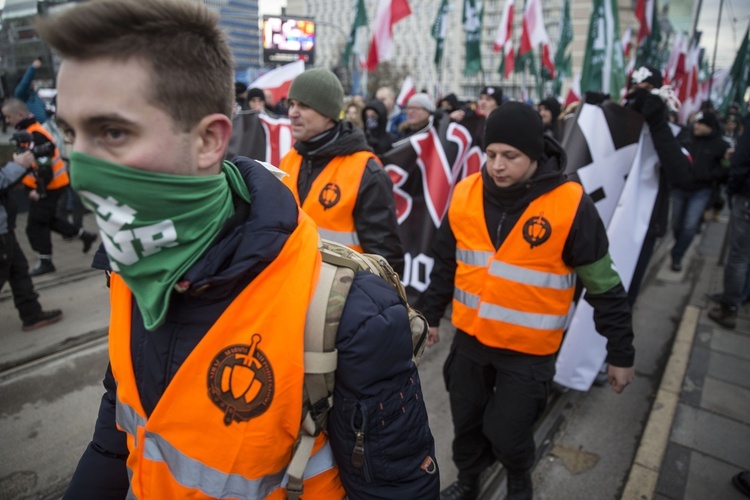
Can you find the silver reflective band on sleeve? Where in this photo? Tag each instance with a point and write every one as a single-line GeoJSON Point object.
{"type": "Point", "coordinates": [473, 257]}
{"type": "Point", "coordinates": [466, 298]}
{"type": "Point", "coordinates": [193, 474]}
{"type": "Point", "coordinates": [526, 319]}
{"type": "Point", "coordinates": [348, 239]}
{"type": "Point", "coordinates": [532, 277]}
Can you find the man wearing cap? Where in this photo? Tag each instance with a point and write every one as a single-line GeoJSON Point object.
{"type": "Point", "coordinates": [334, 174]}
{"type": "Point", "coordinates": [549, 109]}
{"type": "Point", "coordinates": [489, 98]}
{"type": "Point", "coordinates": [692, 193]}
{"type": "Point", "coordinates": [420, 113]}
{"type": "Point", "coordinates": [508, 253]}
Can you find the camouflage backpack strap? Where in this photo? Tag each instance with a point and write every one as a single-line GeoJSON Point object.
{"type": "Point", "coordinates": [320, 358]}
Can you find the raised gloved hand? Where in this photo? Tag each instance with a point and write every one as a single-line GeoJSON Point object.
{"type": "Point", "coordinates": [648, 105]}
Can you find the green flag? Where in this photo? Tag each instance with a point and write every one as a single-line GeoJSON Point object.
{"type": "Point", "coordinates": [603, 65]}
{"type": "Point", "coordinates": [360, 19]}
{"type": "Point", "coordinates": [438, 32]}
{"type": "Point", "coordinates": [648, 51]}
{"type": "Point", "coordinates": [563, 67]}
{"type": "Point", "coordinates": [472, 19]}
{"type": "Point", "coordinates": [739, 77]}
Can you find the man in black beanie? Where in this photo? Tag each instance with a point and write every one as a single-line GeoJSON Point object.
{"type": "Point", "coordinates": [516, 236]}
{"type": "Point", "coordinates": [549, 110]}
{"type": "Point", "coordinates": [343, 185]}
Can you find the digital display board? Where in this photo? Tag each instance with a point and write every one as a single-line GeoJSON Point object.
{"type": "Point", "coordinates": [287, 39]}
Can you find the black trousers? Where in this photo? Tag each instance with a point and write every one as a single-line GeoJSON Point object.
{"type": "Point", "coordinates": [43, 219]}
{"type": "Point", "coordinates": [15, 270]}
{"type": "Point", "coordinates": [496, 397]}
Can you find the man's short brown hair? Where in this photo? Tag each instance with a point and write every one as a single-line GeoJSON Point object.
{"type": "Point", "coordinates": [192, 66]}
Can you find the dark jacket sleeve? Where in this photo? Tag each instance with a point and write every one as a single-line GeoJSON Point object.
{"type": "Point", "coordinates": [101, 472]}
{"type": "Point", "coordinates": [375, 217]}
{"type": "Point", "coordinates": [739, 170]}
{"type": "Point", "coordinates": [438, 295]}
{"type": "Point", "coordinates": [378, 397]}
{"type": "Point", "coordinates": [587, 251]}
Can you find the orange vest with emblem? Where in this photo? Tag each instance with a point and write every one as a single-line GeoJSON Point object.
{"type": "Point", "coordinates": [519, 296]}
{"type": "Point", "coordinates": [59, 172]}
{"type": "Point", "coordinates": [332, 195]}
{"type": "Point", "coordinates": [227, 423]}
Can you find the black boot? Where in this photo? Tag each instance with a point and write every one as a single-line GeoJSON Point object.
{"type": "Point", "coordinates": [88, 240]}
{"type": "Point", "coordinates": [724, 315]}
{"type": "Point", "coordinates": [44, 266]}
{"type": "Point", "coordinates": [519, 486]}
{"type": "Point", "coordinates": [462, 489]}
{"type": "Point", "coordinates": [44, 318]}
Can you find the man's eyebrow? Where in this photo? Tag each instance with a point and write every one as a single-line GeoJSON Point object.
{"type": "Point", "coordinates": [93, 121]}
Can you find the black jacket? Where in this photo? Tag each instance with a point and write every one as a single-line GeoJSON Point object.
{"type": "Point", "coordinates": [375, 209]}
{"type": "Point", "coordinates": [373, 342]}
{"type": "Point", "coordinates": [707, 153]}
{"type": "Point", "coordinates": [739, 170]}
{"type": "Point", "coordinates": [378, 138]}
{"type": "Point", "coordinates": [587, 244]}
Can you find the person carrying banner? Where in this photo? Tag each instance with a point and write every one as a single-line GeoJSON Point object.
{"type": "Point", "coordinates": [490, 98]}
{"type": "Point", "coordinates": [334, 174]}
{"type": "Point", "coordinates": [674, 164]}
{"type": "Point", "coordinates": [214, 267]}
{"type": "Point", "coordinates": [508, 253]}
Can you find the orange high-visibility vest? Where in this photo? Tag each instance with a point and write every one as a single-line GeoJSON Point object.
{"type": "Point", "coordinates": [59, 172]}
{"type": "Point", "coordinates": [227, 423]}
{"type": "Point", "coordinates": [519, 296]}
{"type": "Point", "coordinates": [332, 195]}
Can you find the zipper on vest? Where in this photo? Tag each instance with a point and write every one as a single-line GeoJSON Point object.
{"type": "Point", "coordinates": [359, 458]}
{"type": "Point", "coordinates": [499, 230]}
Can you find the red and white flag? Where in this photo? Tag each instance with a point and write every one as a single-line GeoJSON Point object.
{"type": "Point", "coordinates": [626, 42]}
{"type": "Point", "coordinates": [534, 34]}
{"type": "Point", "coordinates": [688, 90]}
{"type": "Point", "coordinates": [574, 92]}
{"type": "Point", "coordinates": [675, 70]}
{"type": "Point", "coordinates": [381, 46]}
{"type": "Point", "coordinates": [280, 79]}
{"type": "Point", "coordinates": [504, 38]}
{"type": "Point", "coordinates": [644, 12]}
{"type": "Point", "coordinates": [407, 90]}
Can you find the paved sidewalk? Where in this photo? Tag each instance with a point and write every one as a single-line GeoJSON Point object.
{"type": "Point", "coordinates": [698, 433]}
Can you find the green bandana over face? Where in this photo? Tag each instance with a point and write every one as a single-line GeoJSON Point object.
{"type": "Point", "coordinates": [154, 226]}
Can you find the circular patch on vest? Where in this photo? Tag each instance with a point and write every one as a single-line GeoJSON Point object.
{"type": "Point", "coordinates": [240, 381]}
{"type": "Point", "coordinates": [537, 230]}
{"type": "Point", "coordinates": [329, 195]}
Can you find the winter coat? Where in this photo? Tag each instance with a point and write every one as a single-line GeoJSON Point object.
{"type": "Point", "coordinates": [375, 210]}
{"type": "Point", "coordinates": [373, 341]}
{"type": "Point", "coordinates": [739, 169]}
{"type": "Point", "coordinates": [378, 138]}
{"type": "Point", "coordinates": [587, 244]}
{"type": "Point", "coordinates": [707, 153]}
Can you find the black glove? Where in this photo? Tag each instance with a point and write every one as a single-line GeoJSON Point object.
{"type": "Point", "coordinates": [648, 105]}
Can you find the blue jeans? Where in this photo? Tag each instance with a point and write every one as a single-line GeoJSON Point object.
{"type": "Point", "coordinates": [738, 260]}
{"type": "Point", "coordinates": [687, 214]}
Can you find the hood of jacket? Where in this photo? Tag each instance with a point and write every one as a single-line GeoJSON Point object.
{"type": "Point", "coordinates": [379, 108]}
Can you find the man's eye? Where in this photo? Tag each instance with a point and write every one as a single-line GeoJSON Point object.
{"type": "Point", "coordinates": [114, 133]}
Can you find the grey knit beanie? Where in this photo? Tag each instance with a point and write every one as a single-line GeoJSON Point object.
{"type": "Point", "coordinates": [320, 89]}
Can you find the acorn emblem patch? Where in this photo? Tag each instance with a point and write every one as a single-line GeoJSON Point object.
{"type": "Point", "coordinates": [329, 195]}
{"type": "Point", "coordinates": [537, 230]}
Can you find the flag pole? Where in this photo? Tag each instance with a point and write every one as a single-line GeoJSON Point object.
{"type": "Point", "coordinates": [716, 45]}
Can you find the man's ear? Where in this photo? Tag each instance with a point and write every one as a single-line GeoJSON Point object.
{"type": "Point", "coordinates": [212, 138]}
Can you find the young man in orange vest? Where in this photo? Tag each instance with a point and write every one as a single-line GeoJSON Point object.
{"type": "Point", "coordinates": [213, 271]}
{"type": "Point", "coordinates": [335, 175]}
{"type": "Point", "coordinates": [46, 183]}
{"type": "Point", "coordinates": [508, 253]}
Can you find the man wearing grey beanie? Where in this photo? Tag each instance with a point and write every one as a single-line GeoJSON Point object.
{"type": "Point", "coordinates": [516, 236]}
{"type": "Point", "coordinates": [334, 174]}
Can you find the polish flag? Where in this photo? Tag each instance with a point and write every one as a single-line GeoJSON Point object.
{"type": "Point", "coordinates": [534, 34]}
{"type": "Point", "coordinates": [407, 90]}
{"type": "Point", "coordinates": [280, 79]}
{"type": "Point", "coordinates": [504, 38]}
{"type": "Point", "coordinates": [675, 70]}
{"type": "Point", "coordinates": [688, 90]}
{"type": "Point", "coordinates": [644, 12]}
{"type": "Point", "coordinates": [626, 43]}
{"type": "Point", "coordinates": [381, 46]}
{"type": "Point", "coordinates": [574, 92]}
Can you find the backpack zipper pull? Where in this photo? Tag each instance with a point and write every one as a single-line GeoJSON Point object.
{"type": "Point", "coordinates": [358, 455]}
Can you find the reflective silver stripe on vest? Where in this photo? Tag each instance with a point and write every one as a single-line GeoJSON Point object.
{"type": "Point", "coordinates": [127, 418]}
{"type": "Point", "coordinates": [348, 239]}
{"type": "Point", "coordinates": [526, 319]}
{"type": "Point", "coordinates": [466, 298]}
{"type": "Point", "coordinates": [532, 277]}
{"type": "Point", "coordinates": [193, 474]}
{"type": "Point", "coordinates": [473, 257]}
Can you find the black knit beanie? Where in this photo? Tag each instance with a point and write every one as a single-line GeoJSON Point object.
{"type": "Point", "coordinates": [320, 89]}
{"type": "Point", "coordinates": [553, 105]}
{"type": "Point", "coordinates": [256, 92]}
{"type": "Point", "coordinates": [517, 125]}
